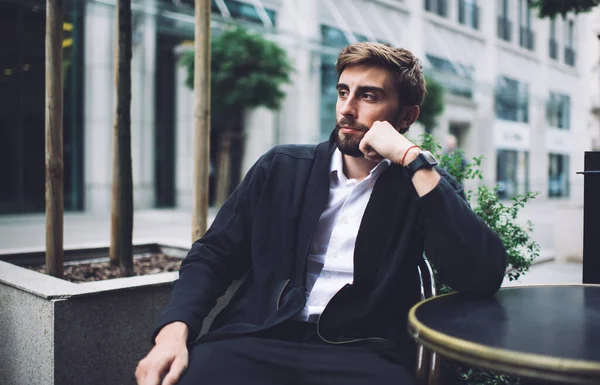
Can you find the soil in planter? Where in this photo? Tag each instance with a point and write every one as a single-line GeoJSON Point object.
{"type": "Point", "coordinates": [148, 263]}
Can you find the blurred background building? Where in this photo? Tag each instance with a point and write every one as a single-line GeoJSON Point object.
{"type": "Point", "coordinates": [521, 91]}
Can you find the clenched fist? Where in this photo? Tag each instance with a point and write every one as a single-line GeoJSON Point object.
{"type": "Point", "coordinates": [384, 141]}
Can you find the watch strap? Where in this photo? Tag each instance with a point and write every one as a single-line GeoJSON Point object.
{"type": "Point", "coordinates": [420, 162]}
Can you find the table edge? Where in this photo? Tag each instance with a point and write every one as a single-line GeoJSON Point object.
{"type": "Point", "coordinates": [511, 361]}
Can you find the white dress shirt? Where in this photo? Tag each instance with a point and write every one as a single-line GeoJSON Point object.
{"type": "Point", "coordinates": [330, 263]}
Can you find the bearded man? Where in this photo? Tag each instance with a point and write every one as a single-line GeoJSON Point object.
{"type": "Point", "coordinates": [326, 239]}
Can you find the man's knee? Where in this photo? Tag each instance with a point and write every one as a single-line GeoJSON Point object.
{"type": "Point", "coordinates": [203, 359]}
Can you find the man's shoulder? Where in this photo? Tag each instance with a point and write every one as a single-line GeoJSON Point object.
{"type": "Point", "coordinates": [292, 151]}
{"type": "Point", "coordinates": [285, 157]}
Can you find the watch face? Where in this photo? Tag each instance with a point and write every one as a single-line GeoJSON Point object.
{"type": "Point", "coordinates": [429, 157]}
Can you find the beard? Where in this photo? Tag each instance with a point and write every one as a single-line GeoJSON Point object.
{"type": "Point", "coordinates": [349, 144]}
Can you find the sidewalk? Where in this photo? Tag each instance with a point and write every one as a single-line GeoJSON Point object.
{"type": "Point", "coordinates": [553, 272]}
{"type": "Point", "coordinates": [84, 229]}
{"type": "Point", "coordinates": [173, 227]}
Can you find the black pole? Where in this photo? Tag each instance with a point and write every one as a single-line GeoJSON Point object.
{"type": "Point", "coordinates": [20, 148]}
{"type": "Point", "coordinates": [591, 217]}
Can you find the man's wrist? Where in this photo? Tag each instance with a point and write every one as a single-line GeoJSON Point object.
{"type": "Point", "coordinates": [411, 155]}
{"type": "Point", "coordinates": [176, 330]}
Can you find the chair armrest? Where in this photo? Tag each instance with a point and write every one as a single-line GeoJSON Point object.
{"type": "Point", "coordinates": [428, 366]}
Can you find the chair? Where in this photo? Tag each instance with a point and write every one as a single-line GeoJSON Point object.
{"type": "Point", "coordinates": [428, 368]}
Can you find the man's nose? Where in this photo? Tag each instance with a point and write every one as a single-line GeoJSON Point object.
{"type": "Point", "coordinates": [348, 107]}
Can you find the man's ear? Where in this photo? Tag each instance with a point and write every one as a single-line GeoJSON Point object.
{"type": "Point", "coordinates": [407, 117]}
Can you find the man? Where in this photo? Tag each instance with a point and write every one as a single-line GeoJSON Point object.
{"type": "Point", "coordinates": [327, 239]}
{"type": "Point", "coordinates": [451, 148]}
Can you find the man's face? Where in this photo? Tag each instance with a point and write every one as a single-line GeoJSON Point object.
{"type": "Point", "coordinates": [366, 94]}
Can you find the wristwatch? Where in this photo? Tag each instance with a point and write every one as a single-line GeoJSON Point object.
{"type": "Point", "coordinates": [425, 160]}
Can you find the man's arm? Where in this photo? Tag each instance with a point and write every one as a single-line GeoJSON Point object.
{"type": "Point", "coordinates": [467, 254]}
{"type": "Point", "coordinates": [219, 257]}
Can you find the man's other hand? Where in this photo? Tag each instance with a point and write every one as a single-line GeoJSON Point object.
{"type": "Point", "coordinates": [169, 356]}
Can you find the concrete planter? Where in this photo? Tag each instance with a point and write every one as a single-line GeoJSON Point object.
{"type": "Point", "coordinates": [56, 332]}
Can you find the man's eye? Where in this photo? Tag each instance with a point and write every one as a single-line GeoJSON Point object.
{"type": "Point", "coordinates": [342, 93]}
{"type": "Point", "coordinates": [369, 97]}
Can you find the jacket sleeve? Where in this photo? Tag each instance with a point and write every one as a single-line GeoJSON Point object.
{"type": "Point", "coordinates": [215, 260]}
{"type": "Point", "coordinates": [467, 255]}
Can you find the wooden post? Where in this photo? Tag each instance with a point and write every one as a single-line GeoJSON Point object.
{"type": "Point", "coordinates": [54, 138]}
{"type": "Point", "coordinates": [121, 236]}
{"type": "Point", "coordinates": [201, 118]}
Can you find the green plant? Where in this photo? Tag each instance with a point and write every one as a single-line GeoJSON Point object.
{"type": "Point", "coordinates": [453, 162]}
{"type": "Point", "coordinates": [551, 8]}
{"type": "Point", "coordinates": [521, 249]}
{"type": "Point", "coordinates": [500, 217]}
{"type": "Point", "coordinates": [433, 104]}
{"type": "Point", "coordinates": [247, 71]}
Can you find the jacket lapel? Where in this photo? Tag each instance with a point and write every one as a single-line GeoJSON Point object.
{"type": "Point", "coordinates": [315, 199]}
{"type": "Point", "coordinates": [381, 222]}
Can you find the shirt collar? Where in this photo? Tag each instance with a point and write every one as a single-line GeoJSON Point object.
{"type": "Point", "coordinates": [337, 166]}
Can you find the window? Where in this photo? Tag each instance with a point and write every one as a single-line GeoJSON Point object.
{"type": "Point", "coordinates": [504, 24]}
{"type": "Point", "coordinates": [552, 43]}
{"type": "Point", "coordinates": [22, 105]}
{"type": "Point", "coordinates": [570, 32]}
{"type": "Point", "coordinates": [240, 10]}
{"type": "Point", "coordinates": [569, 48]}
{"type": "Point", "coordinates": [512, 173]}
{"type": "Point", "coordinates": [558, 175]}
{"type": "Point", "coordinates": [526, 35]}
{"type": "Point", "coordinates": [468, 13]}
{"type": "Point", "coordinates": [446, 65]}
{"type": "Point", "coordinates": [455, 77]}
{"type": "Point", "coordinates": [512, 100]}
{"type": "Point", "coordinates": [334, 37]}
{"type": "Point", "coordinates": [439, 7]}
{"type": "Point", "coordinates": [558, 111]}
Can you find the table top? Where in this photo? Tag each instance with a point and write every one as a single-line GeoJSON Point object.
{"type": "Point", "coordinates": [550, 332]}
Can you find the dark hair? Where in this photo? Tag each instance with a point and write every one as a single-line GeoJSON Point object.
{"type": "Point", "coordinates": [405, 66]}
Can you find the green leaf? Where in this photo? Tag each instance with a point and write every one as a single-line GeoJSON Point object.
{"type": "Point", "coordinates": [247, 71]}
{"type": "Point", "coordinates": [552, 8]}
{"type": "Point", "coordinates": [433, 104]}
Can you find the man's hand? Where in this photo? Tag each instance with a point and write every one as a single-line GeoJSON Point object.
{"type": "Point", "coordinates": [384, 141]}
{"type": "Point", "coordinates": [169, 355]}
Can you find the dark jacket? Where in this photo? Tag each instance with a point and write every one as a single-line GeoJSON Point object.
{"type": "Point", "coordinates": [264, 230]}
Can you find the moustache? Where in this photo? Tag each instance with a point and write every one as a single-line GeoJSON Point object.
{"type": "Point", "coordinates": [351, 123]}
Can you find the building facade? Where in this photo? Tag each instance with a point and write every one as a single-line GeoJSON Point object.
{"type": "Point", "coordinates": [593, 80]}
{"type": "Point", "coordinates": [517, 90]}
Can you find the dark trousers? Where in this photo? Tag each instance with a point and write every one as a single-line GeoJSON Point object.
{"type": "Point", "coordinates": [290, 354]}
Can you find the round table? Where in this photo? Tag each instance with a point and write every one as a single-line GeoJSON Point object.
{"type": "Point", "coordinates": [547, 332]}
